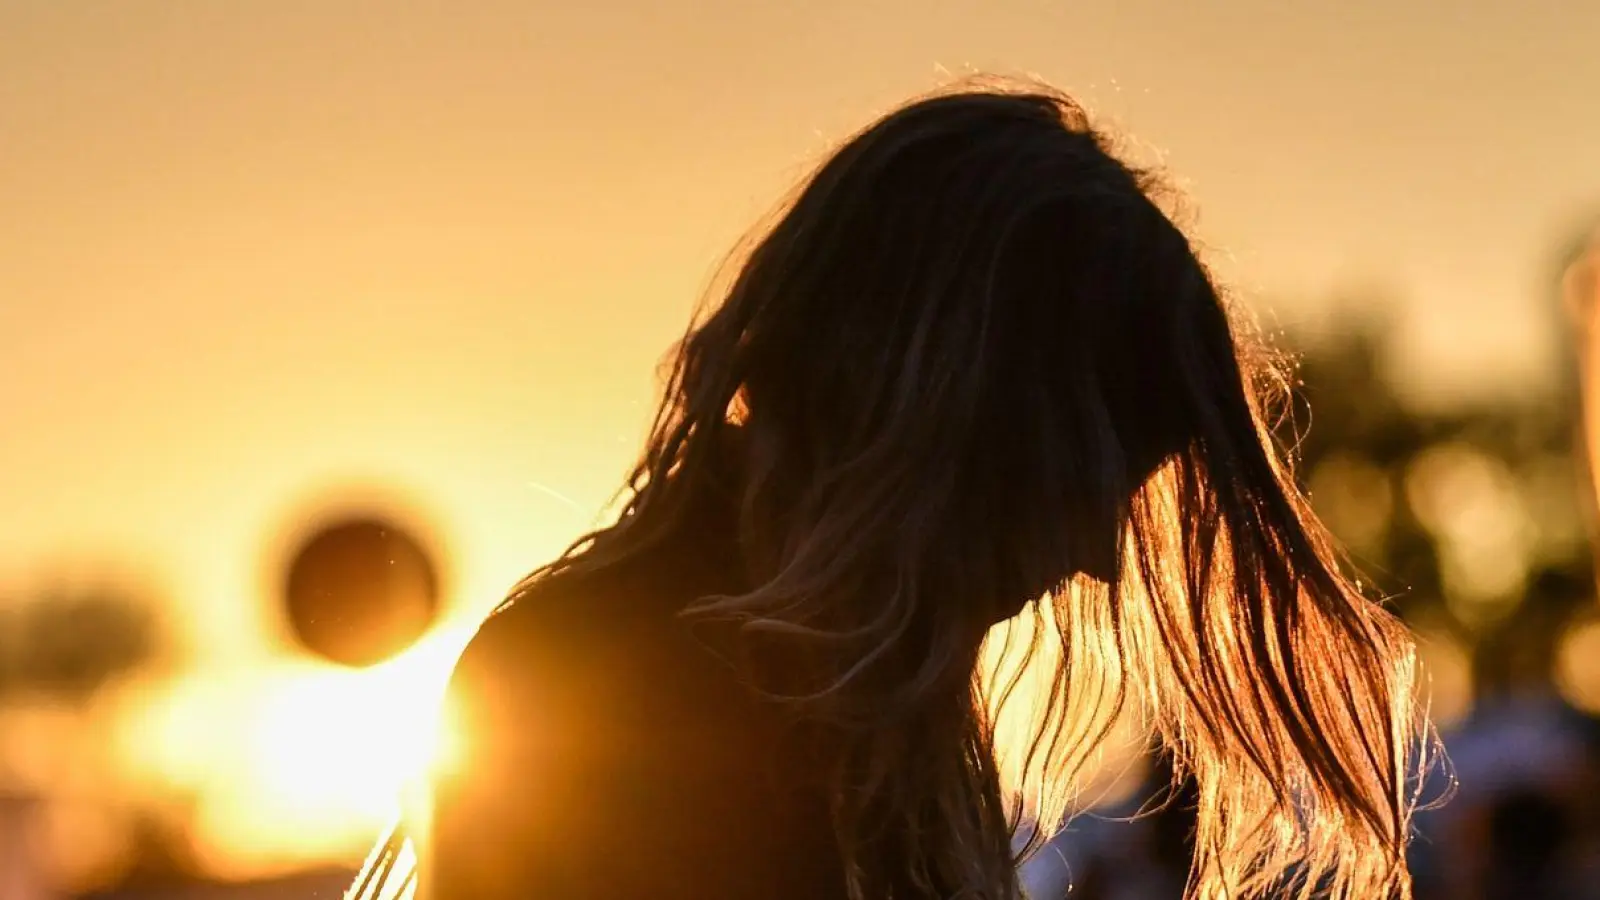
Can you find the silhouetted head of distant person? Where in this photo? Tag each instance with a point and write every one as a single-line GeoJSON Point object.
{"type": "Point", "coordinates": [1527, 832]}
{"type": "Point", "coordinates": [975, 362]}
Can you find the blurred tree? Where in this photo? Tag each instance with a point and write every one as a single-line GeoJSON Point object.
{"type": "Point", "coordinates": [69, 640]}
{"type": "Point", "coordinates": [1470, 517]}
{"type": "Point", "coordinates": [60, 647]}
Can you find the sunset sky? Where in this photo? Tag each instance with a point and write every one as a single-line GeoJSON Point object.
{"type": "Point", "coordinates": [262, 255]}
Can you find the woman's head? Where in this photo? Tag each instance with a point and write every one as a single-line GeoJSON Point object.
{"type": "Point", "coordinates": [956, 329]}
{"type": "Point", "coordinates": [974, 362]}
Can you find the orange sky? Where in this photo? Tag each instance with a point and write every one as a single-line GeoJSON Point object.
{"type": "Point", "coordinates": [250, 250]}
{"type": "Point", "coordinates": [259, 255]}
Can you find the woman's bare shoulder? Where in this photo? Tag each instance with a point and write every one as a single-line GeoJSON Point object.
{"type": "Point", "coordinates": [552, 627]}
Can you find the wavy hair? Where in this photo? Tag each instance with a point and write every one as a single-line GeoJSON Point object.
{"type": "Point", "coordinates": [977, 371]}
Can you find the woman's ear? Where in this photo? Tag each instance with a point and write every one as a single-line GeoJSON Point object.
{"type": "Point", "coordinates": [739, 407]}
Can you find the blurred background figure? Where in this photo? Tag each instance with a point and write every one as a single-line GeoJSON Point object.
{"type": "Point", "coordinates": [249, 251]}
{"type": "Point", "coordinates": [22, 876]}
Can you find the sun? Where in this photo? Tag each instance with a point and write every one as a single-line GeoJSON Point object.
{"type": "Point", "coordinates": [305, 762]}
{"type": "Point", "coordinates": [337, 742]}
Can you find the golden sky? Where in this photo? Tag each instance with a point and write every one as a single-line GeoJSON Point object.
{"type": "Point", "coordinates": [252, 248]}
{"type": "Point", "coordinates": [257, 251]}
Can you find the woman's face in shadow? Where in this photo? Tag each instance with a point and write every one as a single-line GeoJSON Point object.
{"type": "Point", "coordinates": [1091, 536]}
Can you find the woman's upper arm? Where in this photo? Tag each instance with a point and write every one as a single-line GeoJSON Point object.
{"type": "Point", "coordinates": [603, 756]}
{"type": "Point", "coordinates": [525, 809]}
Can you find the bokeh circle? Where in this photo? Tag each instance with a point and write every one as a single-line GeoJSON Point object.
{"type": "Point", "coordinates": [360, 589]}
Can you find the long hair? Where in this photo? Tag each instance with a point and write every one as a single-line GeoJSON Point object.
{"type": "Point", "coordinates": [975, 369]}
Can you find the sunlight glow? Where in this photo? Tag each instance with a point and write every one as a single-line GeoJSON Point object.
{"type": "Point", "coordinates": [1471, 502]}
{"type": "Point", "coordinates": [1446, 676]}
{"type": "Point", "coordinates": [1578, 666]}
{"type": "Point", "coordinates": [302, 762]}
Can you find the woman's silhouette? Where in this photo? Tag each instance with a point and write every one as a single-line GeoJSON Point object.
{"type": "Point", "coordinates": [973, 364]}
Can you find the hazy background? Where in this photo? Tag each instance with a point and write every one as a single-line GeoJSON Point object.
{"type": "Point", "coordinates": [260, 259]}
